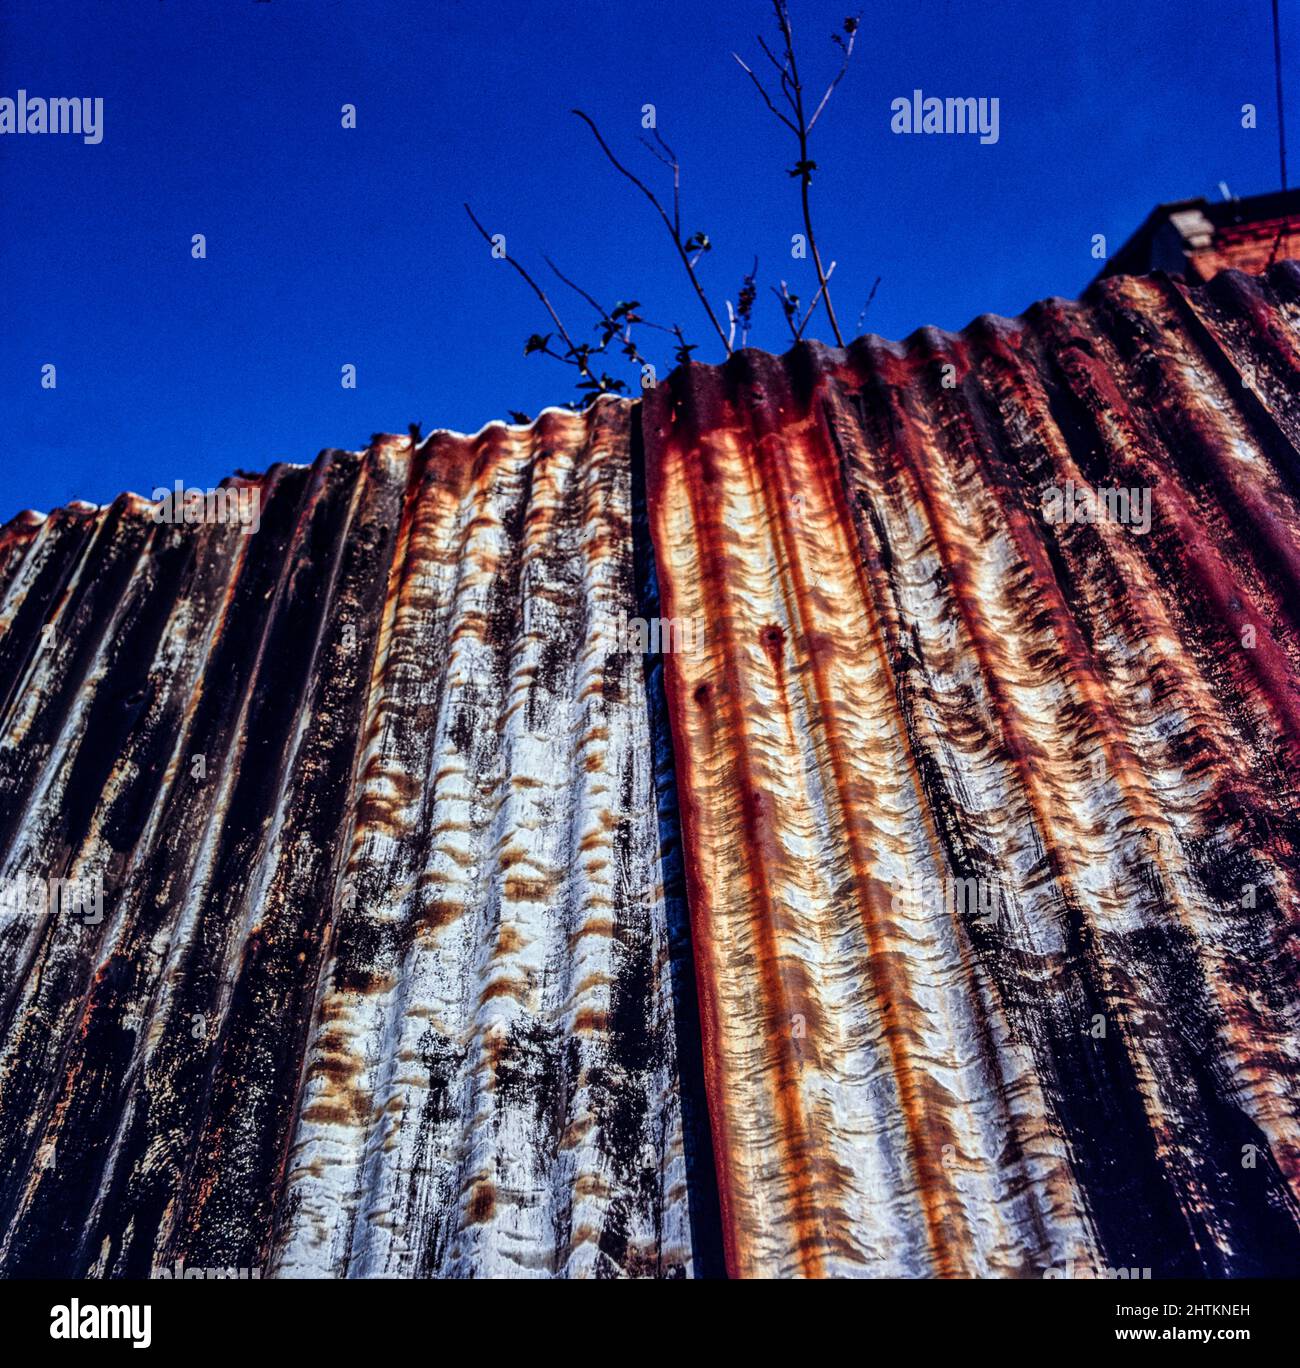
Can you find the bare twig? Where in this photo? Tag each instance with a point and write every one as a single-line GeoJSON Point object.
{"type": "Point", "coordinates": [1281, 129]}
{"type": "Point", "coordinates": [805, 165]}
{"type": "Point", "coordinates": [614, 324]}
{"type": "Point", "coordinates": [844, 66]}
{"type": "Point", "coordinates": [684, 348]}
{"type": "Point", "coordinates": [668, 223]}
{"type": "Point", "coordinates": [862, 317]}
{"type": "Point", "coordinates": [576, 288]}
{"type": "Point", "coordinates": [789, 307]}
{"type": "Point", "coordinates": [576, 354]}
{"type": "Point", "coordinates": [801, 126]}
{"type": "Point", "coordinates": [785, 99]}
{"type": "Point", "coordinates": [671, 162]}
{"type": "Point", "coordinates": [783, 70]}
{"type": "Point", "coordinates": [605, 315]}
{"type": "Point", "coordinates": [767, 99]}
{"type": "Point", "coordinates": [821, 290]}
{"type": "Point", "coordinates": [532, 284]}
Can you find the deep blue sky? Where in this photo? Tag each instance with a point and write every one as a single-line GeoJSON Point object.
{"type": "Point", "coordinates": [329, 246]}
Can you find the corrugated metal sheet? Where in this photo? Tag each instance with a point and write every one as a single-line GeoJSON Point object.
{"type": "Point", "coordinates": [383, 980]}
{"type": "Point", "coordinates": [912, 679]}
{"type": "Point", "coordinates": [394, 975]}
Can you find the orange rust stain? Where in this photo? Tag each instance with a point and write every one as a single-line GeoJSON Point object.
{"type": "Point", "coordinates": [520, 888]}
{"type": "Point", "coordinates": [504, 988]}
{"type": "Point", "coordinates": [482, 1202]}
{"type": "Point", "coordinates": [509, 939]}
{"type": "Point", "coordinates": [342, 1101]}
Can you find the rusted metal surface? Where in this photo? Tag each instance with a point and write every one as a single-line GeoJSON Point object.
{"type": "Point", "coordinates": [382, 984]}
{"type": "Point", "coordinates": [989, 821]}
{"type": "Point", "coordinates": [913, 676]}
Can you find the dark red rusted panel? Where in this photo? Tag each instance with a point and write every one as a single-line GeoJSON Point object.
{"type": "Point", "coordinates": [989, 806]}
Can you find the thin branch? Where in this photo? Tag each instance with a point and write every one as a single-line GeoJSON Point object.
{"type": "Point", "coordinates": [862, 317]}
{"type": "Point", "coordinates": [821, 290]}
{"type": "Point", "coordinates": [782, 12]}
{"type": "Point", "coordinates": [684, 349]}
{"type": "Point", "coordinates": [839, 75]}
{"type": "Point", "coordinates": [1281, 106]}
{"type": "Point", "coordinates": [532, 284]}
{"type": "Point", "coordinates": [671, 162]}
{"type": "Point", "coordinates": [546, 350]}
{"type": "Point", "coordinates": [668, 224]}
{"type": "Point", "coordinates": [658, 327]}
{"type": "Point", "coordinates": [783, 69]}
{"type": "Point", "coordinates": [789, 305]}
{"type": "Point", "coordinates": [607, 320]}
{"type": "Point", "coordinates": [805, 165]}
{"type": "Point", "coordinates": [577, 289]}
{"type": "Point", "coordinates": [801, 127]}
{"type": "Point", "coordinates": [767, 99]}
{"type": "Point", "coordinates": [576, 355]}
{"type": "Point", "coordinates": [604, 313]}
